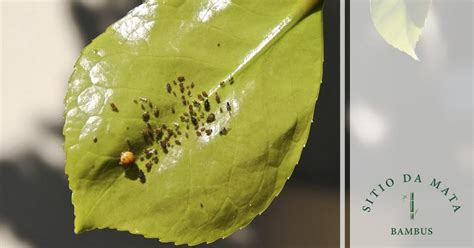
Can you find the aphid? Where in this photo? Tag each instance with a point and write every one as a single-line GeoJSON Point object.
{"type": "Point", "coordinates": [223, 131]}
{"type": "Point", "coordinates": [146, 117]}
{"type": "Point", "coordinates": [143, 99]}
{"type": "Point", "coordinates": [143, 107]}
{"type": "Point", "coordinates": [220, 109]}
{"type": "Point", "coordinates": [129, 144]}
{"type": "Point", "coordinates": [198, 133]}
{"type": "Point", "coordinates": [192, 85]}
{"type": "Point", "coordinates": [189, 93]}
{"type": "Point", "coordinates": [204, 94]}
{"type": "Point", "coordinates": [211, 118]}
{"type": "Point", "coordinates": [177, 142]}
{"type": "Point", "coordinates": [185, 114]}
{"type": "Point", "coordinates": [114, 107]}
{"type": "Point", "coordinates": [218, 44]}
{"type": "Point", "coordinates": [207, 105]}
{"type": "Point", "coordinates": [156, 113]}
{"type": "Point", "coordinates": [142, 159]}
{"type": "Point", "coordinates": [155, 160]}
{"type": "Point", "coordinates": [179, 132]}
{"type": "Point", "coordinates": [147, 135]}
{"type": "Point", "coordinates": [135, 101]}
{"type": "Point", "coordinates": [174, 82]}
{"type": "Point", "coordinates": [127, 158]}
{"type": "Point", "coordinates": [194, 121]}
{"type": "Point", "coordinates": [231, 81]}
{"type": "Point", "coordinates": [186, 135]}
{"type": "Point", "coordinates": [200, 97]}
{"type": "Point", "coordinates": [141, 175]}
{"type": "Point", "coordinates": [201, 116]}
{"type": "Point", "coordinates": [209, 132]}
{"type": "Point", "coordinates": [222, 84]}
{"type": "Point", "coordinates": [181, 88]}
{"type": "Point", "coordinates": [164, 146]}
{"type": "Point", "coordinates": [164, 127]}
{"type": "Point", "coordinates": [201, 205]}
{"type": "Point", "coordinates": [228, 107]}
{"type": "Point", "coordinates": [183, 119]}
{"type": "Point", "coordinates": [181, 78]}
{"type": "Point", "coordinates": [196, 104]}
{"type": "Point", "coordinates": [203, 129]}
{"type": "Point", "coordinates": [218, 99]}
{"type": "Point", "coordinates": [148, 166]}
{"type": "Point", "coordinates": [159, 134]}
{"type": "Point", "coordinates": [174, 94]}
{"type": "Point", "coordinates": [173, 110]}
{"type": "Point", "coordinates": [168, 88]}
{"type": "Point", "coordinates": [95, 139]}
{"type": "Point", "coordinates": [150, 104]}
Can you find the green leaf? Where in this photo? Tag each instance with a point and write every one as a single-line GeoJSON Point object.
{"type": "Point", "coordinates": [268, 56]}
{"type": "Point", "coordinates": [400, 22]}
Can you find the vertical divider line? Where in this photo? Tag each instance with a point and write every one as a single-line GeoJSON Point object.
{"type": "Point", "coordinates": [342, 97]}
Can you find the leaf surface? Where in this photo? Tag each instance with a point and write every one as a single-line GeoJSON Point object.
{"type": "Point", "coordinates": [193, 180]}
{"type": "Point", "coordinates": [400, 22]}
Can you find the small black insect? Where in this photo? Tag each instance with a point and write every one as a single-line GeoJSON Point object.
{"type": "Point", "coordinates": [204, 94]}
{"type": "Point", "coordinates": [114, 107]}
{"type": "Point", "coordinates": [168, 88]}
{"type": "Point", "coordinates": [192, 85]}
{"type": "Point", "coordinates": [209, 132]}
{"type": "Point", "coordinates": [148, 166]}
{"type": "Point", "coordinates": [181, 78]}
{"type": "Point", "coordinates": [223, 131]}
{"type": "Point", "coordinates": [159, 133]}
{"type": "Point", "coordinates": [173, 110]}
{"type": "Point", "coordinates": [156, 113]}
{"type": "Point", "coordinates": [135, 101]}
{"type": "Point", "coordinates": [222, 84]}
{"type": "Point", "coordinates": [198, 133]}
{"type": "Point", "coordinates": [211, 118]}
{"type": "Point", "coordinates": [228, 107]}
{"type": "Point", "coordinates": [194, 120]}
{"type": "Point", "coordinates": [207, 105]}
{"type": "Point", "coordinates": [177, 142]}
{"type": "Point", "coordinates": [146, 117]}
{"type": "Point", "coordinates": [231, 81]}
{"type": "Point", "coordinates": [95, 139]}
{"type": "Point", "coordinates": [164, 146]}
{"type": "Point", "coordinates": [141, 175]}
{"type": "Point", "coordinates": [200, 97]}
{"type": "Point", "coordinates": [218, 98]}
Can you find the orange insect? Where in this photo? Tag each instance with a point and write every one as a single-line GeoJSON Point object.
{"type": "Point", "coordinates": [127, 158]}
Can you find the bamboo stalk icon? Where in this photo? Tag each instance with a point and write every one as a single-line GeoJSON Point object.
{"type": "Point", "coordinates": [412, 206]}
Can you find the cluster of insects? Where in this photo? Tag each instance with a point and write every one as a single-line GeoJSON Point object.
{"type": "Point", "coordinates": [194, 119]}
